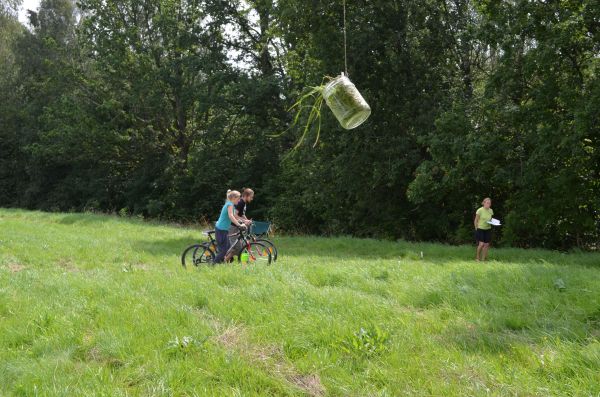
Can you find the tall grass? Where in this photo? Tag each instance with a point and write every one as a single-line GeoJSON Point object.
{"type": "Point", "coordinates": [99, 305]}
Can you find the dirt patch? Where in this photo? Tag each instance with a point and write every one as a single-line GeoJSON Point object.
{"type": "Point", "coordinates": [311, 384]}
{"type": "Point", "coordinates": [15, 267]}
{"type": "Point", "coordinates": [95, 354]}
{"type": "Point", "coordinates": [68, 265]}
{"type": "Point", "coordinates": [141, 266]}
{"type": "Point", "coordinates": [230, 338]}
{"type": "Point", "coordinates": [269, 357]}
{"type": "Point", "coordinates": [265, 353]}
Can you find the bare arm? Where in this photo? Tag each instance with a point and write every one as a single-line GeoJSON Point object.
{"type": "Point", "coordinates": [476, 220]}
{"type": "Point", "coordinates": [232, 217]}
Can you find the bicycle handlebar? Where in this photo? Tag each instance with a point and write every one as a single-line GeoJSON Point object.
{"type": "Point", "coordinates": [241, 229]}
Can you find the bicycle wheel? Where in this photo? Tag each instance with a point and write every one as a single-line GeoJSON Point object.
{"type": "Point", "coordinates": [270, 245]}
{"type": "Point", "coordinates": [206, 254]}
{"type": "Point", "coordinates": [197, 254]}
{"type": "Point", "coordinates": [257, 253]}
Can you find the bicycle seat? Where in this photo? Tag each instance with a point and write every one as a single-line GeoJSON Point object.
{"type": "Point", "coordinates": [208, 232]}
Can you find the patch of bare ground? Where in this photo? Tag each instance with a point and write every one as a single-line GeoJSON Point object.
{"type": "Point", "coordinates": [68, 265]}
{"type": "Point", "coordinates": [141, 266]}
{"type": "Point", "coordinates": [269, 357]}
{"type": "Point", "coordinates": [16, 267]}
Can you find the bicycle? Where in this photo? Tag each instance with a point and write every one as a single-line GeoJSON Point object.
{"type": "Point", "coordinates": [256, 251]}
{"type": "Point", "coordinates": [257, 232]}
{"type": "Point", "coordinates": [205, 253]}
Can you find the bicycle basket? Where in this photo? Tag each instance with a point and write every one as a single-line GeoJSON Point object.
{"type": "Point", "coordinates": [260, 228]}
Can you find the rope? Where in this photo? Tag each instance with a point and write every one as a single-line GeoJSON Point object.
{"type": "Point", "coordinates": [345, 51]}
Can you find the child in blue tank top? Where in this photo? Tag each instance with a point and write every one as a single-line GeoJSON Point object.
{"type": "Point", "coordinates": [226, 219]}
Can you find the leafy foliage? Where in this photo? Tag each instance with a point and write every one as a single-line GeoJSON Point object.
{"type": "Point", "coordinates": [157, 107]}
{"type": "Point", "coordinates": [366, 342]}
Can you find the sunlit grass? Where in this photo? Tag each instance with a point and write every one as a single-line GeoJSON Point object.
{"type": "Point", "coordinates": [99, 305]}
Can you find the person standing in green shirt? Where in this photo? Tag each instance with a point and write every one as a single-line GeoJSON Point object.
{"type": "Point", "coordinates": [483, 230]}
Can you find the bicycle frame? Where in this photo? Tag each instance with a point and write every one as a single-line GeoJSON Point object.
{"type": "Point", "coordinates": [241, 237]}
{"type": "Point", "coordinates": [212, 242]}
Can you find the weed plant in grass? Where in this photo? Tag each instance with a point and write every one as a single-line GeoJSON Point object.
{"type": "Point", "coordinates": [99, 305]}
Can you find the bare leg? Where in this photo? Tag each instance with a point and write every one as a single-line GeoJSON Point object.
{"type": "Point", "coordinates": [484, 251]}
{"type": "Point", "coordinates": [479, 249]}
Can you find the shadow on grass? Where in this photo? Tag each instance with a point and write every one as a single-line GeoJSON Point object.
{"type": "Point", "coordinates": [95, 218]}
{"type": "Point", "coordinates": [166, 247]}
{"type": "Point", "coordinates": [83, 219]}
{"type": "Point", "coordinates": [348, 248]}
{"type": "Point", "coordinates": [353, 248]}
{"type": "Point", "coordinates": [296, 247]}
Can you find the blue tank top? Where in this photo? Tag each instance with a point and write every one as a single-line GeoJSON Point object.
{"type": "Point", "coordinates": [224, 222]}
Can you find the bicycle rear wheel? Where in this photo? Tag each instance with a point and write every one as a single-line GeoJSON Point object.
{"type": "Point", "coordinates": [269, 245]}
{"type": "Point", "coordinates": [197, 255]}
{"type": "Point", "coordinates": [257, 253]}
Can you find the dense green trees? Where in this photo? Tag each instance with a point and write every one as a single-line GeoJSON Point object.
{"type": "Point", "coordinates": [526, 137]}
{"type": "Point", "coordinates": [157, 107]}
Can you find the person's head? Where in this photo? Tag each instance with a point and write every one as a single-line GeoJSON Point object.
{"type": "Point", "coordinates": [487, 203]}
{"type": "Point", "coordinates": [233, 196]}
{"type": "Point", "coordinates": [247, 194]}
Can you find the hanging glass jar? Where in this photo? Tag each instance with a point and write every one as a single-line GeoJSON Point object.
{"type": "Point", "coordinates": [346, 102]}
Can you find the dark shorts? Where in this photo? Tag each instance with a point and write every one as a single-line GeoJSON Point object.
{"type": "Point", "coordinates": [483, 236]}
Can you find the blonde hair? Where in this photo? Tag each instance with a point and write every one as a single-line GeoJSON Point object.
{"type": "Point", "coordinates": [247, 192]}
{"type": "Point", "coordinates": [232, 194]}
{"type": "Point", "coordinates": [485, 199]}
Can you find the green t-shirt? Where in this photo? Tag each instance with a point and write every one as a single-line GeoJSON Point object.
{"type": "Point", "coordinates": [484, 217]}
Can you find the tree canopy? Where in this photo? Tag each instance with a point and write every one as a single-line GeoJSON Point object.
{"type": "Point", "coordinates": [157, 107]}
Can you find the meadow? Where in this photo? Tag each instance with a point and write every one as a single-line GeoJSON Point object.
{"type": "Point", "coordinates": [97, 305]}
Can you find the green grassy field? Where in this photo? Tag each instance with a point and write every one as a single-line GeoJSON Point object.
{"type": "Point", "coordinates": [99, 305]}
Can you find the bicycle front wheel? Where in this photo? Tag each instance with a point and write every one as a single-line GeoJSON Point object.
{"type": "Point", "coordinates": [269, 245]}
{"type": "Point", "coordinates": [257, 253]}
{"type": "Point", "coordinates": [197, 255]}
